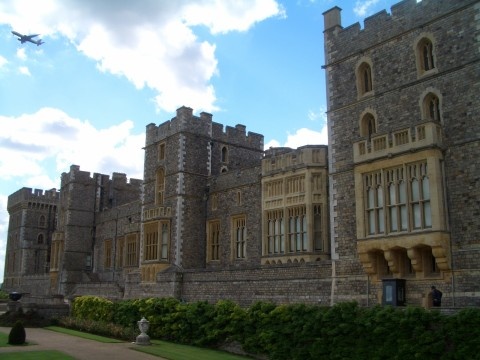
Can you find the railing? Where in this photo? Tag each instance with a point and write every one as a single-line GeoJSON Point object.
{"type": "Point", "coordinates": [422, 135]}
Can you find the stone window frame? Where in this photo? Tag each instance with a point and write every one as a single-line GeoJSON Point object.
{"type": "Point", "coordinates": [161, 151]}
{"type": "Point", "coordinates": [214, 201]}
{"type": "Point", "coordinates": [297, 229]}
{"type": "Point", "coordinates": [160, 186]}
{"type": "Point", "coordinates": [107, 254]}
{"type": "Point", "coordinates": [364, 77]}
{"type": "Point", "coordinates": [239, 237]}
{"type": "Point", "coordinates": [224, 154]}
{"type": "Point", "coordinates": [275, 232]}
{"type": "Point", "coordinates": [42, 221]}
{"type": "Point", "coordinates": [428, 96]}
{"type": "Point", "coordinates": [156, 242]}
{"type": "Point", "coordinates": [131, 250]}
{"type": "Point", "coordinates": [239, 197]}
{"type": "Point", "coordinates": [40, 238]}
{"type": "Point", "coordinates": [378, 205]}
{"type": "Point", "coordinates": [425, 42]}
{"type": "Point", "coordinates": [368, 123]}
{"type": "Point", "coordinates": [213, 240]}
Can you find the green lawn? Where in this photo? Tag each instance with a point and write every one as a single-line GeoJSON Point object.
{"type": "Point", "coordinates": [37, 355]}
{"type": "Point", "coordinates": [4, 340]}
{"type": "Point", "coordinates": [30, 355]}
{"type": "Point", "coordinates": [159, 348]}
{"type": "Point", "coordinates": [163, 349]}
{"type": "Point", "coordinates": [173, 351]}
{"type": "Point", "coordinates": [83, 334]}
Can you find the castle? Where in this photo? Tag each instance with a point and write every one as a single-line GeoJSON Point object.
{"type": "Point", "coordinates": [388, 209]}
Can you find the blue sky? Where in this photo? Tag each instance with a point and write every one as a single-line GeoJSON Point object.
{"type": "Point", "coordinates": [108, 68]}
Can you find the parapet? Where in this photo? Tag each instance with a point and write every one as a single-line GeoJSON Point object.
{"type": "Point", "coordinates": [286, 159]}
{"type": "Point", "coordinates": [33, 195]}
{"type": "Point", "coordinates": [202, 125]}
{"type": "Point", "coordinates": [405, 15]}
{"type": "Point", "coordinates": [78, 176]}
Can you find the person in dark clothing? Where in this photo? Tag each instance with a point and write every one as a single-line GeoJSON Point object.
{"type": "Point", "coordinates": [436, 297]}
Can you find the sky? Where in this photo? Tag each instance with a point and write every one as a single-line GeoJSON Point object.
{"type": "Point", "coordinates": [109, 68]}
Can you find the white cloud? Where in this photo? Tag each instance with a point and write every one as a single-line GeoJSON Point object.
{"type": "Point", "coordinates": [24, 70]}
{"type": "Point", "coordinates": [28, 141]}
{"type": "Point", "coordinates": [302, 137]}
{"type": "Point", "coordinates": [21, 54]}
{"type": "Point", "coordinates": [362, 8]}
{"type": "Point", "coordinates": [151, 44]}
{"type": "Point", "coordinates": [3, 61]}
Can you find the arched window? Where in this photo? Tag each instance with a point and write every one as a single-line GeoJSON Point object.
{"type": "Point", "coordinates": [425, 55]}
{"type": "Point", "coordinates": [364, 78]}
{"type": "Point", "coordinates": [160, 187]}
{"type": "Point", "coordinates": [224, 154]}
{"type": "Point", "coordinates": [40, 239]}
{"type": "Point", "coordinates": [431, 107]}
{"type": "Point", "coordinates": [368, 125]}
{"type": "Point", "coordinates": [41, 221]}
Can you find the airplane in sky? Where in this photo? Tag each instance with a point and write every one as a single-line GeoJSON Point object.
{"type": "Point", "coordinates": [25, 38]}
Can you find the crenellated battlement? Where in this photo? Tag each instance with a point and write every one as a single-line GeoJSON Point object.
{"type": "Point", "coordinates": [202, 125]}
{"type": "Point", "coordinates": [79, 176]}
{"type": "Point", "coordinates": [405, 16]}
{"type": "Point", "coordinates": [25, 195]}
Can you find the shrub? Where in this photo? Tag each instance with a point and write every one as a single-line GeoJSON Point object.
{"type": "Point", "coordinates": [17, 334]}
{"type": "Point", "coordinates": [99, 328]}
{"type": "Point", "coordinates": [93, 308]}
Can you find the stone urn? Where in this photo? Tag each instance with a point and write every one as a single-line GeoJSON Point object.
{"type": "Point", "coordinates": [143, 338]}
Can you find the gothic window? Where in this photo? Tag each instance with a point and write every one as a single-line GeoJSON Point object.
{"type": "Point", "coordinates": [297, 229]}
{"type": "Point", "coordinates": [368, 126]}
{"type": "Point", "coordinates": [164, 239]}
{"type": "Point", "coordinates": [41, 221]}
{"type": "Point", "coordinates": [397, 200]}
{"type": "Point", "coordinates": [151, 241]}
{"type": "Point", "coordinates": [156, 240]}
{"type": "Point", "coordinates": [224, 154]}
{"type": "Point", "coordinates": [275, 232]}
{"type": "Point", "coordinates": [425, 56]}
{"type": "Point", "coordinates": [40, 239]}
{"type": "Point", "coordinates": [161, 151]}
{"type": "Point", "coordinates": [213, 251]}
{"type": "Point", "coordinates": [160, 187]}
{"type": "Point", "coordinates": [214, 202]}
{"type": "Point", "coordinates": [239, 237]}
{"type": "Point", "coordinates": [107, 254]}
{"type": "Point", "coordinates": [131, 256]}
{"type": "Point", "coordinates": [374, 204]}
{"type": "Point", "coordinates": [364, 79]}
{"type": "Point", "coordinates": [406, 204]}
{"type": "Point", "coordinates": [420, 196]}
{"type": "Point", "coordinates": [431, 107]}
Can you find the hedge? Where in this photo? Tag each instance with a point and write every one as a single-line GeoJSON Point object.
{"type": "Point", "coordinates": [299, 331]}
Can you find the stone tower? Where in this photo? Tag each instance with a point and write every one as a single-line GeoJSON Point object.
{"type": "Point", "coordinates": [404, 130]}
{"type": "Point", "coordinates": [32, 222]}
{"type": "Point", "coordinates": [180, 157]}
